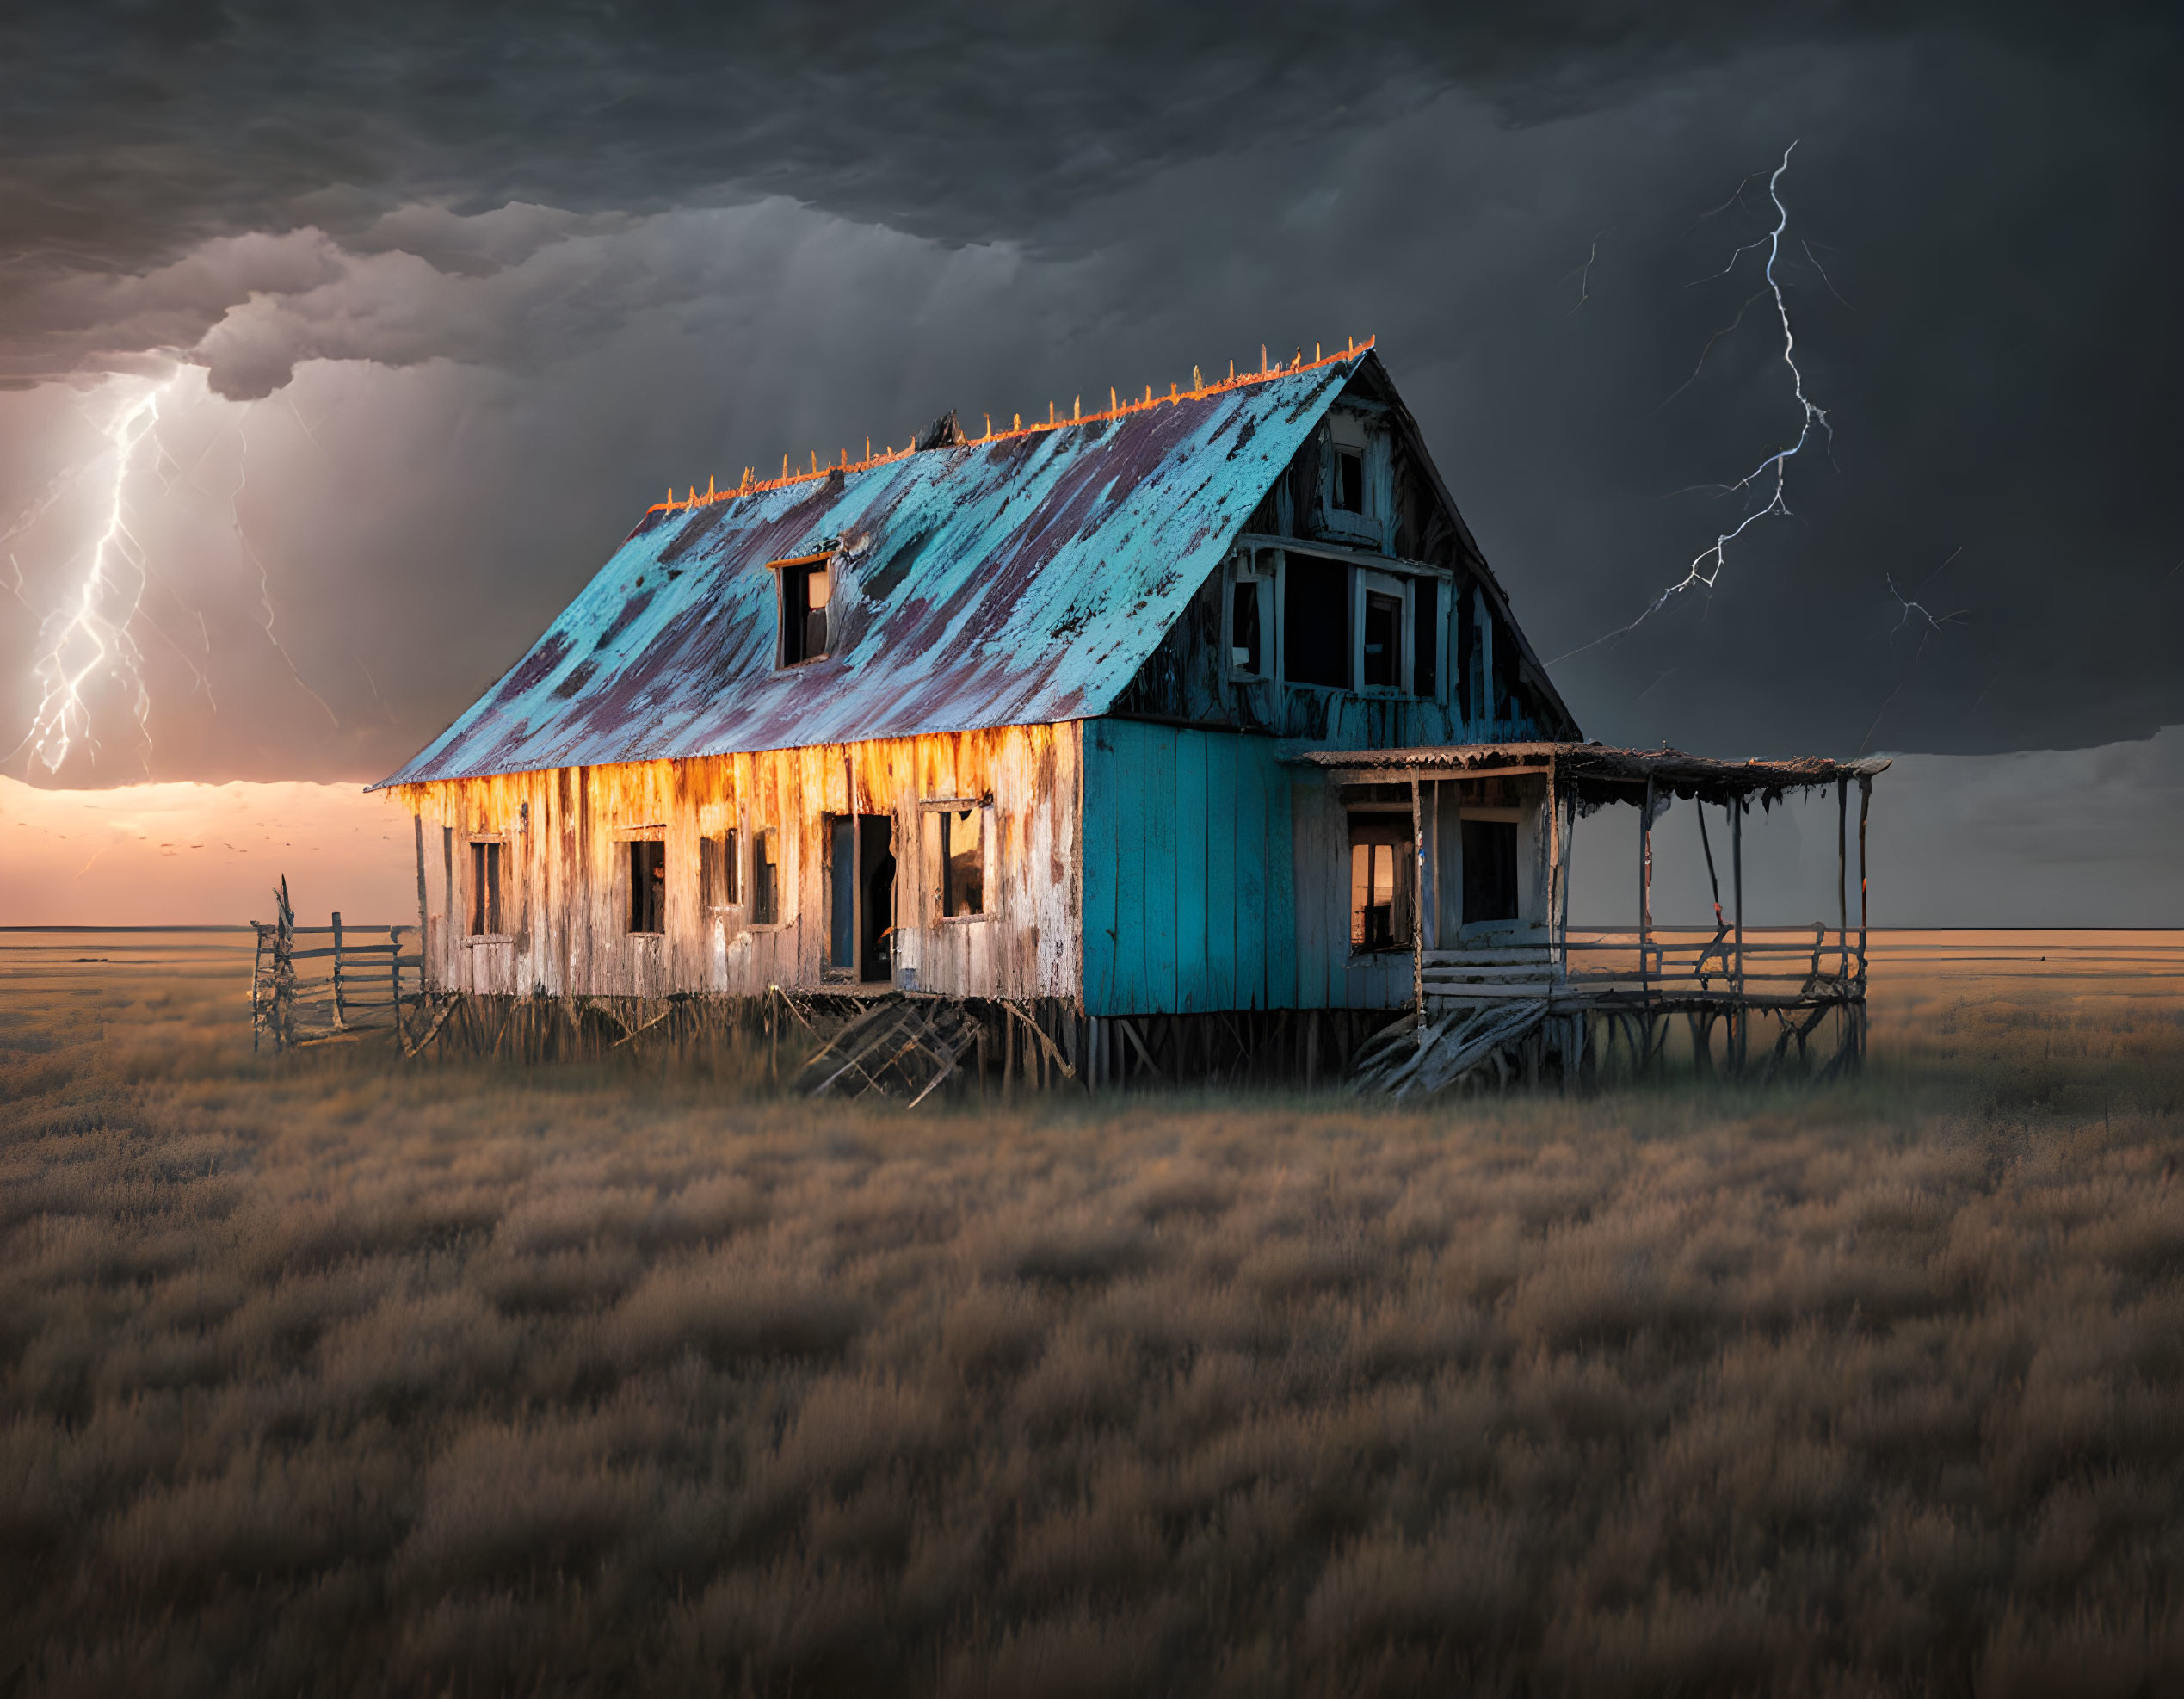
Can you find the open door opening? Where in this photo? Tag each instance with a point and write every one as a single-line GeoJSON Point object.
{"type": "Point", "coordinates": [861, 897]}
{"type": "Point", "coordinates": [876, 858]}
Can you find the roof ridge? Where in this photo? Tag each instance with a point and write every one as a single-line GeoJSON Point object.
{"type": "Point", "coordinates": [1116, 410]}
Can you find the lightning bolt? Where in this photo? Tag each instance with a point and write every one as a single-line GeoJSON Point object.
{"type": "Point", "coordinates": [1772, 472]}
{"type": "Point", "coordinates": [1915, 612]}
{"type": "Point", "coordinates": [88, 636]}
{"type": "Point", "coordinates": [90, 639]}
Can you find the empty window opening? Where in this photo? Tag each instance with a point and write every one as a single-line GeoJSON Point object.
{"type": "Point", "coordinates": [1425, 662]}
{"type": "Point", "coordinates": [1489, 870]}
{"type": "Point", "coordinates": [963, 863]}
{"type": "Point", "coordinates": [1349, 480]}
{"type": "Point", "coordinates": [1467, 655]}
{"type": "Point", "coordinates": [806, 589]}
{"type": "Point", "coordinates": [1383, 878]}
{"type": "Point", "coordinates": [1382, 661]}
{"type": "Point", "coordinates": [485, 890]}
{"type": "Point", "coordinates": [765, 877]}
{"type": "Point", "coordinates": [1247, 643]}
{"type": "Point", "coordinates": [719, 886]}
{"type": "Point", "coordinates": [648, 886]}
{"type": "Point", "coordinates": [1315, 619]}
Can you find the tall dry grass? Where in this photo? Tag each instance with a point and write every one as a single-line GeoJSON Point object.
{"type": "Point", "coordinates": [319, 1375]}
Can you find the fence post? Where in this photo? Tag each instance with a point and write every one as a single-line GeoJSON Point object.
{"type": "Point", "coordinates": [341, 1010]}
{"type": "Point", "coordinates": [284, 970]}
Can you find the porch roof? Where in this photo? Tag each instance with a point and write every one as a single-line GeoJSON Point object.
{"type": "Point", "coordinates": [1599, 774]}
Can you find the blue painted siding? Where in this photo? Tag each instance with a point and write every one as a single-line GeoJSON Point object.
{"type": "Point", "coordinates": [1198, 913]}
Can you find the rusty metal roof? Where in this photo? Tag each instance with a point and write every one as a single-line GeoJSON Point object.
{"type": "Point", "coordinates": [1015, 580]}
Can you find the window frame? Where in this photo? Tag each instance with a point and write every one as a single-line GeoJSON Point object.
{"type": "Point", "coordinates": [1480, 814]}
{"type": "Point", "coordinates": [934, 812]}
{"type": "Point", "coordinates": [1264, 579]}
{"type": "Point", "coordinates": [798, 569]}
{"type": "Point", "coordinates": [504, 844]}
{"type": "Point", "coordinates": [626, 839]}
{"type": "Point", "coordinates": [1403, 892]}
{"type": "Point", "coordinates": [1368, 581]}
{"type": "Point", "coordinates": [776, 921]}
{"type": "Point", "coordinates": [727, 862]}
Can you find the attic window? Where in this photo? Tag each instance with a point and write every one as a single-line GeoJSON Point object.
{"type": "Point", "coordinates": [1349, 480]}
{"type": "Point", "coordinates": [806, 587]}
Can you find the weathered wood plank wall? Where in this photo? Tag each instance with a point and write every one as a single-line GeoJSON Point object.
{"type": "Point", "coordinates": [564, 887]}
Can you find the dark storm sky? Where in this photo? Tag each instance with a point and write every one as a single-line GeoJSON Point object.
{"type": "Point", "coordinates": [489, 278]}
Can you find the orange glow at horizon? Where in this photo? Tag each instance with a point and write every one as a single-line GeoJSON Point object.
{"type": "Point", "coordinates": [188, 854]}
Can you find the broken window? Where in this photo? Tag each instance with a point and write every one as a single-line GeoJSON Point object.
{"type": "Point", "coordinates": [485, 888]}
{"type": "Point", "coordinates": [1489, 870]}
{"type": "Point", "coordinates": [1349, 480]}
{"type": "Point", "coordinates": [807, 588]}
{"type": "Point", "coordinates": [963, 863]}
{"type": "Point", "coordinates": [718, 884]}
{"type": "Point", "coordinates": [1382, 661]}
{"type": "Point", "coordinates": [1425, 669]}
{"type": "Point", "coordinates": [765, 877]}
{"type": "Point", "coordinates": [1382, 610]}
{"type": "Point", "coordinates": [1248, 625]}
{"type": "Point", "coordinates": [1384, 881]}
{"type": "Point", "coordinates": [647, 886]}
{"type": "Point", "coordinates": [1315, 616]}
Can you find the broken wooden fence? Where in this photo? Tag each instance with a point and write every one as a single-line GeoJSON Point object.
{"type": "Point", "coordinates": [353, 983]}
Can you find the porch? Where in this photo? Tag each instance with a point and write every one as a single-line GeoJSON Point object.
{"type": "Point", "coordinates": [1502, 985]}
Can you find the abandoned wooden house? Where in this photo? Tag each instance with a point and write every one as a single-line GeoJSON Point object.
{"type": "Point", "coordinates": [1195, 733]}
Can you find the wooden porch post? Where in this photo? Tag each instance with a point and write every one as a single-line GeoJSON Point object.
{"type": "Point", "coordinates": [1418, 909]}
{"type": "Point", "coordinates": [1842, 888]}
{"type": "Point", "coordinates": [1864, 802]}
{"type": "Point", "coordinates": [1554, 866]}
{"type": "Point", "coordinates": [1737, 1020]}
{"type": "Point", "coordinates": [1646, 920]}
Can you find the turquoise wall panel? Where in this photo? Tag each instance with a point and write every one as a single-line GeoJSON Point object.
{"type": "Point", "coordinates": [1198, 912]}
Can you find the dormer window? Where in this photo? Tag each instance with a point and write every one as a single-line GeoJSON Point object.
{"type": "Point", "coordinates": [806, 589]}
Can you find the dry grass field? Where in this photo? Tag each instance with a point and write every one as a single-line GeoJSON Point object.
{"type": "Point", "coordinates": [320, 1374]}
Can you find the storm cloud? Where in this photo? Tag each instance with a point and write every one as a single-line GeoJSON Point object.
{"type": "Point", "coordinates": [463, 288]}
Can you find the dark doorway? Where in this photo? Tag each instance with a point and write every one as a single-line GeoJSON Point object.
{"type": "Point", "coordinates": [1489, 870]}
{"type": "Point", "coordinates": [876, 956]}
{"type": "Point", "coordinates": [860, 897]}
